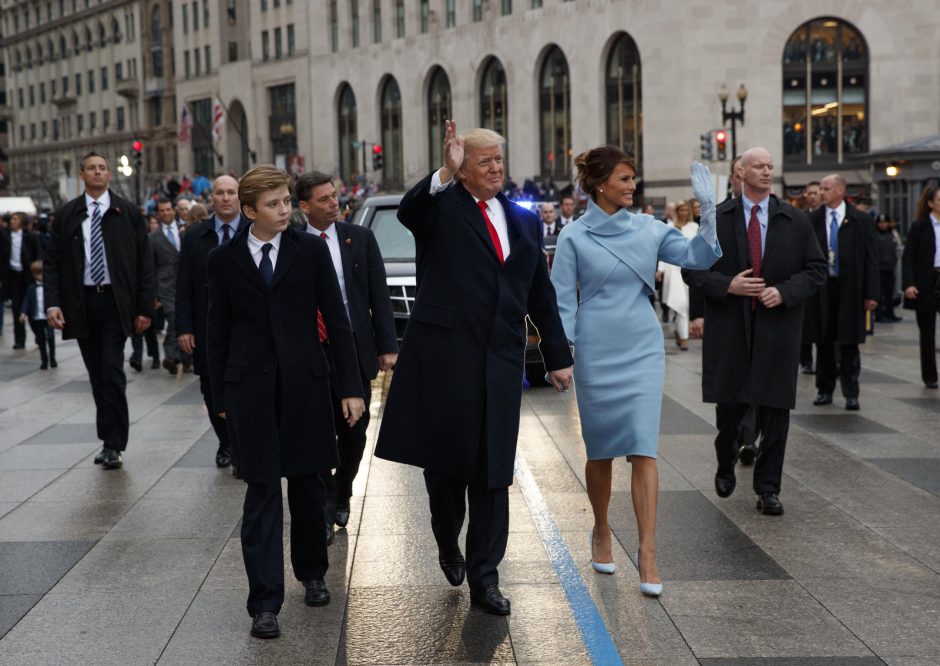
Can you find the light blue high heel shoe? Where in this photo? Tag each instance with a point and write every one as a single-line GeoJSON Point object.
{"type": "Point", "coordinates": [600, 567]}
{"type": "Point", "coordinates": [649, 589]}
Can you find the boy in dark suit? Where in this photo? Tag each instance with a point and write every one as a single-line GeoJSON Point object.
{"type": "Point", "coordinates": [34, 310]}
{"type": "Point", "coordinates": [270, 288]}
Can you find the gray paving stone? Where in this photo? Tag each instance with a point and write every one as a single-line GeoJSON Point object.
{"type": "Point", "coordinates": [191, 483]}
{"type": "Point", "coordinates": [12, 608]}
{"type": "Point", "coordinates": [81, 484]}
{"type": "Point", "coordinates": [202, 453]}
{"type": "Point", "coordinates": [868, 376]}
{"type": "Point", "coordinates": [12, 370]}
{"type": "Point", "coordinates": [7, 507]}
{"type": "Point", "coordinates": [795, 661]}
{"type": "Point", "coordinates": [541, 626]}
{"type": "Point", "coordinates": [749, 619]}
{"type": "Point", "coordinates": [45, 456]}
{"type": "Point", "coordinates": [33, 567]}
{"type": "Point", "coordinates": [677, 420]}
{"type": "Point", "coordinates": [19, 485]}
{"type": "Point", "coordinates": [928, 404]}
{"type": "Point", "coordinates": [839, 423]}
{"type": "Point", "coordinates": [73, 386]}
{"type": "Point", "coordinates": [429, 625]}
{"type": "Point", "coordinates": [66, 433]}
{"type": "Point", "coordinates": [179, 518]}
{"type": "Point", "coordinates": [61, 521]}
{"type": "Point", "coordinates": [921, 472]}
{"type": "Point", "coordinates": [190, 395]}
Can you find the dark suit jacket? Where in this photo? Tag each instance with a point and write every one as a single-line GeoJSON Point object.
{"type": "Point", "coordinates": [266, 364]}
{"type": "Point", "coordinates": [858, 275]}
{"type": "Point", "coordinates": [30, 305]}
{"type": "Point", "coordinates": [165, 261]}
{"type": "Point", "coordinates": [752, 357]}
{"type": "Point", "coordinates": [192, 287]}
{"type": "Point", "coordinates": [130, 264]}
{"type": "Point", "coordinates": [917, 269]}
{"type": "Point", "coordinates": [458, 379]}
{"type": "Point", "coordinates": [370, 306]}
{"type": "Point", "coordinates": [30, 251]}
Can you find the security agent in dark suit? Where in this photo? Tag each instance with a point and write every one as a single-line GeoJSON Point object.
{"type": "Point", "coordinates": [165, 241]}
{"type": "Point", "coordinates": [18, 249]}
{"type": "Point", "coordinates": [271, 380]}
{"type": "Point", "coordinates": [192, 294]}
{"type": "Point", "coordinates": [920, 275]}
{"type": "Point", "coordinates": [99, 289]}
{"type": "Point", "coordinates": [847, 237]}
{"type": "Point", "coordinates": [361, 272]}
{"type": "Point", "coordinates": [453, 405]}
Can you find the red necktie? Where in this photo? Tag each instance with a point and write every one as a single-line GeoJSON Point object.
{"type": "Point", "coordinates": [321, 325]}
{"type": "Point", "coordinates": [754, 245]}
{"type": "Point", "coordinates": [493, 235]}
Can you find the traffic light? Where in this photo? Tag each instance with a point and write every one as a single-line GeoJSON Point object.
{"type": "Point", "coordinates": [721, 140]}
{"type": "Point", "coordinates": [706, 147]}
{"type": "Point", "coordinates": [378, 160]}
{"type": "Point", "coordinates": [138, 147]}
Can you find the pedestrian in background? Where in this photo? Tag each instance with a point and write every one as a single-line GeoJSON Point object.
{"type": "Point", "coordinates": [675, 293]}
{"type": "Point", "coordinates": [34, 311]}
{"type": "Point", "coordinates": [920, 267]}
{"type": "Point", "coordinates": [603, 276]}
{"type": "Point", "coordinates": [99, 289]}
{"type": "Point", "coordinates": [165, 243]}
{"type": "Point", "coordinates": [887, 268]}
{"type": "Point", "coordinates": [19, 248]}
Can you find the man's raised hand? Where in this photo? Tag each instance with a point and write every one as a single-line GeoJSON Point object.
{"type": "Point", "coordinates": [453, 151]}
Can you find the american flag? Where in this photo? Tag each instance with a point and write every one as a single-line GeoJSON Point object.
{"type": "Point", "coordinates": [218, 121]}
{"type": "Point", "coordinates": [186, 124]}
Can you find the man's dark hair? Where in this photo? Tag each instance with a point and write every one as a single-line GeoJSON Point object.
{"type": "Point", "coordinates": [811, 183]}
{"type": "Point", "coordinates": [566, 196]}
{"type": "Point", "coordinates": [163, 200]}
{"type": "Point", "coordinates": [306, 182]}
{"type": "Point", "coordinates": [93, 153]}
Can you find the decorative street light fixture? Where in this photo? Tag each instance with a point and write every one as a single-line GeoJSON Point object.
{"type": "Point", "coordinates": [734, 115]}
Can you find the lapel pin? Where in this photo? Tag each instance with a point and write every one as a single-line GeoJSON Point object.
{"type": "Point", "coordinates": [349, 241]}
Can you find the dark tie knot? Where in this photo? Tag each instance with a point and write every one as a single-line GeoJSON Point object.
{"type": "Point", "coordinates": [323, 235]}
{"type": "Point", "coordinates": [482, 206]}
{"type": "Point", "coordinates": [755, 210]}
{"type": "Point", "coordinates": [266, 249]}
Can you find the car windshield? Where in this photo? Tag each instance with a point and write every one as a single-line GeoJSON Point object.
{"type": "Point", "coordinates": [395, 241]}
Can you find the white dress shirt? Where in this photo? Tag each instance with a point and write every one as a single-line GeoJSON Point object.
{"type": "Point", "coordinates": [332, 242]}
{"type": "Point", "coordinates": [494, 211]}
{"type": "Point", "coordinates": [40, 302]}
{"type": "Point", "coordinates": [936, 240]}
{"type": "Point", "coordinates": [840, 216]}
{"type": "Point", "coordinates": [762, 215]}
{"type": "Point", "coordinates": [255, 244]}
{"type": "Point", "coordinates": [548, 229]}
{"type": "Point", "coordinates": [16, 250]}
{"type": "Point", "coordinates": [565, 221]}
{"type": "Point", "coordinates": [105, 204]}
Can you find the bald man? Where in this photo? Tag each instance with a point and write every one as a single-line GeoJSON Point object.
{"type": "Point", "coordinates": [192, 293]}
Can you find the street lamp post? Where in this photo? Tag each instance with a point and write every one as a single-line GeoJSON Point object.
{"type": "Point", "coordinates": [734, 115]}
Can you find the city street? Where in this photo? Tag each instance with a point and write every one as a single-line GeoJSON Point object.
{"type": "Point", "coordinates": [143, 565]}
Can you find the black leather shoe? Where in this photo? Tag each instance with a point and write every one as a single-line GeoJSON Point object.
{"type": "Point", "coordinates": [19, 346]}
{"type": "Point", "coordinates": [330, 537]}
{"type": "Point", "coordinates": [53, 364]}
{"type": "Point", "coordinates": [852, 405]}
{"type": "Point", "coordinates": [264, 625]}
{"type": "Point", "coordinates": [807, 369]}
{"type": "Point", "coordinates": [171, 366]}
{"type": "Point", "coordinates": [100, 457]}
{"type": "Point", "coordinates": [769, 504]}
{"type": "Point", "coordinates": [317, 594]}
{"type": "Point", "coordinates": [454, 568]}
{"type": "Point", "coordinates": [930, 385]}
{"type": "Point", "coordinates": [342, 515]}
{"type": "Point", "coordinates": [112, 459]}
{"type": "Point", "coordinates": [155, 364]}
{"type": "Point", "coordinates": [136, 364]}
{"type": "Point", "coordinates": [44, 365]}
{"type": "Point", "coordinates": [747, 454]}
{"type": "Point", "coordinates": [823, 399]}
{"type": "Point", "coordinates": [223, 457]}
{"type": "Point", "coordinates": [724, 484]}
{"type": "Point", "coordinates": [490, 600]}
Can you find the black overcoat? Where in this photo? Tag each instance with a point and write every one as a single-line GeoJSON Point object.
{"type": "Point", "coordinates": [752, 357]}
{"type": "Point", "coordinates": [458, 379]}
{"type": "Point", "coordinates": [192, 287]}
{"type": "Point", "coordinates": [130, 264]}
{"type": "Point", "coordinates": [267, 366]}
{"type": "Point", "coordinates": [917, 267]}
{"type": "Point", "coordinates": [858, 276]}
{"type": "Point", "coordinates": [30, 251]}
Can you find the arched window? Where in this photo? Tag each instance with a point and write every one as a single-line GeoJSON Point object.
{"type": "Point", "coordinates": [102, 35]}
{"type": "Point", "coordinates": [393, 171]}
{"type": "Point", "coordinates": [555, 115]}
{"type": "Point", "coordinates": [88, 39]}
{"type": "Point", "coordinates": [76, 43]}
{"type": "Point", "coordinates": [825, 93]}
{"type": "Point", "coordinates": [348, 133]}
{"type": "Point", "coordinates": [624, 97]}
{"type": "Point", "coordinates": [439, 110]}
{"type": "Point", "coordinates": [156, 42]}
{"type": "Point", "coordinates": [29, 56]}
{"type": "Point", "coordinates": [115, 30]}
{"type": "Point", "coordinates": [494, 107]}
{"type": "Point", "coordinates": [17, 60]}
{"type": "Point", "coordinates": [63, 46]}
{"type": "Point", "coordinates": [50, 49]}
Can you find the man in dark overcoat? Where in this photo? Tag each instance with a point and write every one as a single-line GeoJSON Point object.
{"type": "Point", "coordinates": [920, 268]}
{"type": "Point", "coordinates": [99, 289]}
{"type": "Point", "coordinates": [271, 381]}
{"type": "Point", "coordinates": [847, 238]}
{"type": "Point", "coordinates": [453, 405]}
{"type": "Point", "coordinates": [754, 299]}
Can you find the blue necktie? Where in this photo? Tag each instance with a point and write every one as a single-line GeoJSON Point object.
{"type": "Point", "coordinates": [170, 236]}
{"type": "Point", "coordinates": [266, 267]}
{"type": "Point", "coordinates": [834, 243]}
{"type": "Point", "coordinates": [96, 246]}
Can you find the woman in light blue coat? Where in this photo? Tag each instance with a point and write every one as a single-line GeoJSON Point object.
{"type": "Point", "coordinates": [603, 275]}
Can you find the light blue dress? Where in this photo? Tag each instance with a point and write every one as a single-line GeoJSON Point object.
{"type": "Point", "coordinates": [603, 274]}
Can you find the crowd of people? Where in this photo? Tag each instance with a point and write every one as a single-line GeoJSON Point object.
{"type": "Point", "coordinates": [286, 325]}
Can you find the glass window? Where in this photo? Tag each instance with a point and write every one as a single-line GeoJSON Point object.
{"type": "Point", "coordinates": [205, 14]}
{"type": "Point", "coordinates": [208, 52]}
{"type": "Point", "coordinates": [555, 116]}
{"type": "Point", "coordinates": [233, 51]}
{"type": "Point", "coordinates": [825, 93]}
{"type": "Point", "coordinates": [348, 135]}
{"type": "Point", "coordinates": [231, 12]}
{"type": "Point", "coordinates": [187, 72]}
{"type": "Point", "coordinates": [393, 173]}
{"type": "Point", "coordinates": [424, 12]}
{"type": "Point", "coordinates": [283, 124]}
{"type": "Point", "coordinates": [265, 46]}
{"type": "Point", "coordinates": [195, 15]}
{"type": "Point", "coordinates": [377, 21]}
{"type": "Point", "coordinates": [185, 18]}
{"type": "Point", "coordinates": [624, 97]}
{"type": "Point", "coordinates": [278, 51]}
{"type": "Point", "coordinates": [78, 84]}
{"type": "Point", "coordinates": [399, 18]}
{"type": "Point", "coordinates": [477, 10]}
{"type": "Point", "coordinates": [507, 7]}
{"type": "Point", "coordinates": [451, 18]}
{"type": "Point", "coordinates": [354, 22]}
{"type": "Point", "coordinates": [120, 119]}
{"type": "Point", "coordinates": [334, 27]}
{"type": "Point", "coordinates": [290, 39]}
{"type": "Point", "coordinates": [536, 4]}
{"type": "Point", "coordinates": [118, 71]}
{"type": "Point", "coordinates": [439, 110]}
{"type": "Point", "coordinates": [104, 78]}
{"type": "Point", "coordinates": [197, 62]}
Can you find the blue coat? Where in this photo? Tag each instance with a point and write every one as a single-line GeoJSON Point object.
{"type": "Point", "coordinates": [603, 275]}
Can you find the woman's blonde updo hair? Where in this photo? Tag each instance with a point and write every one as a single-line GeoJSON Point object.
{"type": "Point", "coordinates": [596, 165]}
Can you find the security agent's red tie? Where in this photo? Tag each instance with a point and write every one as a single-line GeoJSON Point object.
{"type": "Point", "coordinates": [493, 235]}
{"type": "Point", "coordinates": [754, 245]}
{"type": "Point", "coordinates": [321, 325]}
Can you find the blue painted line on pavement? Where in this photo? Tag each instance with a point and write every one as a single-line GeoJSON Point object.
{"type": "Point", "coordinates": [597, 640]}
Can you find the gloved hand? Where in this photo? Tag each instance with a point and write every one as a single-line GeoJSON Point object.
{"type": "Point", "coordinates": [703, 188]}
